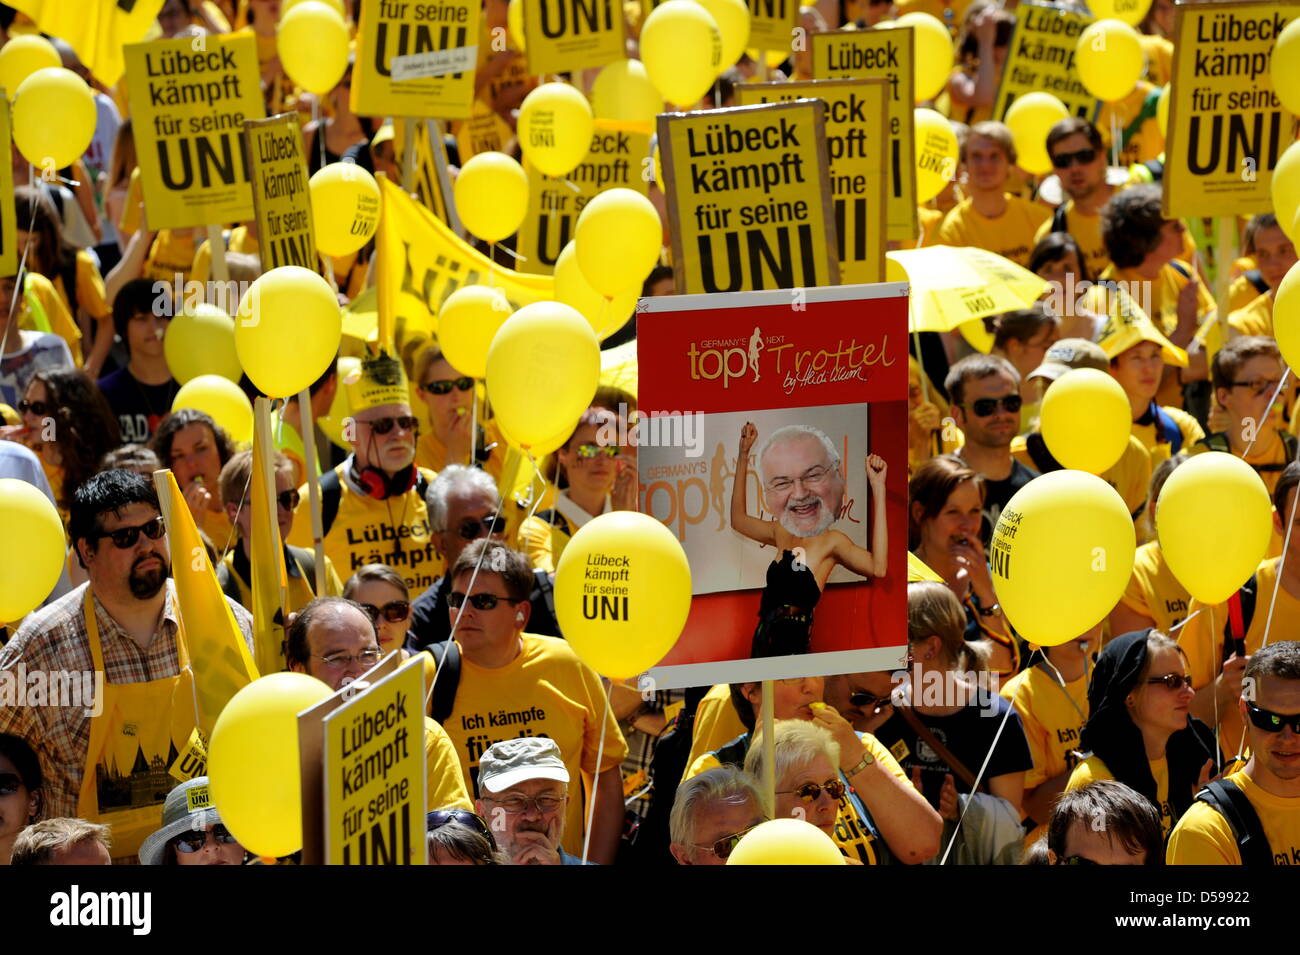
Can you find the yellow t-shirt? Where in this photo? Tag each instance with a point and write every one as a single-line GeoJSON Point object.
{"type": "Point", "coordinates": [445, 783]}
{"type": "Point", "coordinates": [545, 691]}
{"type": "Point", "coordinates": [1011, 235]}
{"type": "Point", "coordinates": [1153, 589]}
{"type": "Point", "coordinates": [1163, 291]}
{"type": "Point", "coordinates": [1160, 450]}
{"type": "Point", "coordinates": [1145, 144]}
{"type": "Point", "coordinates": [1204, 837]}
{"type": "Point", "coordinates": [1130, 476]}
{"type": "Point", "coordinates": [56, 314]}
{"type": "Point", "coordinates": [394, 531]}
{"type": "Point", "coordinates": [431, 453]}
{"type": "Point", "coordinates": [90, 288]}
{"type": "Point", "coordinates": [1255, 318]}
{"type": "Point", "coordinates": [1093, 768]}
{"type": "Point", "coordinates": [1086, 231]}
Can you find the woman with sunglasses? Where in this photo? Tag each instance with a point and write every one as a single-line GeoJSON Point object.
{"type": "Point", "coordinates": [192, 832]}
{"type": "Point", "coordinates": [807, 779]}
{"type": "Point", "coordinates": [196, 448]}
{"type": "Point", "coordinates": [460, 837]}
{"type": "Point", "coordinates": [21, 795]}
{"type": "Point", "coordinates": [385, 597]}
{"type": "Point", "coordinates": [449, 398]}
{"type": "Point", "coordinates": [1140, 730]}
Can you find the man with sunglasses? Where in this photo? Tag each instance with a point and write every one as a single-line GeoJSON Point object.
{"type": "Point", "coordinates": [1079, 157]}
{"type": "Point", "coordinates": [985, 392]}
{"type": "Point", "coordinates": [122, 623]}
{"type": "Point", "coordinates": [712, 811]}
{"type": "Point", "coordinates": [1262, 799]}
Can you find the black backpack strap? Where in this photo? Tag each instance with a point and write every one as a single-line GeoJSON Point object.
{"type": "Point", "coordinates": [1216, 442]}
{"type": "Point", "coordinates": [1229, 801]}
{"type": "Point", "coordinates": [331, 492]}
{"type": "Point", "coordinates": [1256, 278]}
{"type": "Point", "coordinates": [447, 655]}
{"type": "Point", "coordinates": [734, 753]}
{"type": "Point", "coordinates": [1181, 269]}
{"type": "Point", "coordinates": [1241, 610]}
{"type": "Point", "coordinates": [555, 519]}
{"type": "Point", "coordinates": [544, 584]}
{"type": "Point", "coordinates": [229, 586]}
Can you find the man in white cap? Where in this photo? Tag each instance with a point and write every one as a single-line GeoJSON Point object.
{"type": "Point", "coordinates": [524, 788]}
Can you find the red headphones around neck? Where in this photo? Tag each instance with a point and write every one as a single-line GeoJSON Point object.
{"type": "Point", "coordinates": [378, 485]}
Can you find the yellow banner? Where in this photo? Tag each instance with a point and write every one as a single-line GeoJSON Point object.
{"type": "Point", "coordinates": [269, 581]}
{"type": "Point", "coordinates": [96, 29]}
{"type": "Point", "coordinates": [1041, 59]}
{"type": "Point", "coordinates": [1227, 127]}
{"type": "Point", "coordinates": [856, 143]}
{"type": "Point", "coordinates": [771, 24]}
{"type": "Point", "coordinates": [416, 58]}
{"type": "Point", "coordinates": [375, 774]}
{"type": "Point", "coordinates": [564, 36]}
{"type": "Point", "coordinates": [278, 171]}
{"type": "Point", "coordinates": [615, 160]}
{"type": "Point", "coordinates": [749, 198]}
{"type": "Point", "coordinates": [428, 184]}
{"type": "Point", "coordinates": [189, 100]}
{"type": "Point", "coordinates": [8, 222]}
{"type": "Point", "coordinates": [881, 55]}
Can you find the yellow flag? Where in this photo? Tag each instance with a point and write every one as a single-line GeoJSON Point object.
{"type": "Point", "coordinates": [220, 658]}
{"type": "Point", "coordinates": [96, 29]}
{"type": "Point", "coordinates": [266, 552]}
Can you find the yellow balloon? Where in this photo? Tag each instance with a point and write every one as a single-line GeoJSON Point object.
{"type": "Point", "coordinates": [1213, 558]}
{"type": "Point", "coordinates": [467, 323]}
{"type": "Point", "coordinates": [625, 626]}
{"type": "Point", "coordinates": [340, 407]}
{"type": "Point", "coordinates": [931, 54]}
{"type": "Point", "coordinates": [221, 400]}
{"type": "Point", "coordinates": [335, 5]}
{"type": "Point", "coordinates": [1162, 111]}
{"type": "Point", "coordinates": [288, 329]}
{"type": "Point", "coordinates": [312, 43]}
{"type": "Point", "coordinates": [1285, 67]}
{"type": "Point", "coordinates": [1061, 555]}
{"type": "Point", "coordinates": [623, 92]}
{"type": "Point", "coordinates": [619, 237]}
{"type": "Point", "coordinates": [771, 58]}
{"type": "Point", "coordinates": [1110, 59]}
{"type": "Point", "coordinates": [29, 517]}
{"type": "Point", "coordinates": [515, 24]}
{"type": "Point", "coordinates": [1285, 190]}
{"type": "Point", "coordinates": [733, 20]}
{"type": "Point", "coordinates": [344, 207]}
{"type": "Point", "coordinates": [253, 762]}
{"type": "Point", "coordinates": [555, 127]}
{"type": "Point", "coordinates": [1086, 420]}
{"type": "Point", "coordinates": [539, 449]}
{"type": "Point", "coordinates": [201, 341]}
{"type": "Point", "coordinates": [24, 55]}
{"type": "Point", "coordinates": [1286, 316]}
{"type": "Point", "coordinates": [1126, 11]}
{"type": "Point", "coordinates": [1029, 119]}
{"type": "Point", "coordinates": [572, 288]}
{"type": "Point", "coordinates": [492, 195]}
{"type": "Point", "coordinates": [681, 48]}
{"type": "Point", "coordinates": [47, 93]}
{"type": "Point", "coordinates": [936, 153]}
{"type": "Point", "coordinates": [786, 842]}
{"type": "Point", "coordinates": [542, 371]}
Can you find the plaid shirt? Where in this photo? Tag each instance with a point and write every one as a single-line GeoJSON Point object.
{"type": "Point", "coordinates": [53, 640]}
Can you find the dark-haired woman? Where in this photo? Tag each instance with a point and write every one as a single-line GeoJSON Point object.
{"type": "Point", "coordinates": [196, 448]}
{"type": "Point", "coordinates": [21, 796]}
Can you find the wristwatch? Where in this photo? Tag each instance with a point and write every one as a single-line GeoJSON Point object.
{"type": "Point", "coordinates": [990, 610]}
{"type": "Point", "coordinates": [867, 760]}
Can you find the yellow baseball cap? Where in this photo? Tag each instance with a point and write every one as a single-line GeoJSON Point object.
{"type": "Point", "coordinates": [1128, 325]}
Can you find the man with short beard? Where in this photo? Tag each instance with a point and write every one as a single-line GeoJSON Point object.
{"type": "Point", "coordinates": [107, 760]}
{"type": "Point", "coordinates": [800, 450]}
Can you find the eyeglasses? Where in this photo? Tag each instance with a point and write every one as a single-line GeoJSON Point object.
{"type": "Point", "coordinates": [194, 841]}
{"type": "Point", "coordinates": [124, 538]}
{"type": "Point", "coordinates": [288, 499]}
{"type": "Point", "coordinates": [1078, 860]}
{"type": "Point", "coordinates": [457, 599]}
{"type": "Point", "coordinates": [443, 386]}
{"type": "Point", "coordinates": [395, 611]}
{"type": "Point", "coordinates": [1066, 160]}
{"type": "Point", "coordinates": [472, 530]}
{"type": "Point", "coordinates": [810, 478]}
{"type": "Point", "coordinates": [385, 425]}
{"type": "Point", "coordinates": [809, 792]}
{"type": "Point", "coordinates": [1260, 386]}
{"type": "Point", "coordinates": [862, 698]}
{"type": "Point", "coordinates": [1266, 720]}
{"type": "Point", "coordinates": [440, 817]}
{"type": "Point", "coordinates": [983, 407]}
{"type": "Point", "coordinates": [338, 661]}
{"type": "Point", "coordinates": [515, 804]}
{"type": "Point", "coordinates": [10, 783]}
{"type": "Point", "coordinates": [1173, 681]}
{"type": "Point", "coordinates": [727, 844]}
{"type": "Point", "coordinates": [588, 451]}
{"type": "Point", "coordinates": [38, 408]}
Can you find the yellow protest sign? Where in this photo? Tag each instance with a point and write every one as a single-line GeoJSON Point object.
{"type": "Point", "coordinates": [189, 100]}
{"type": "Point", "coordinates": [562, 36]}
{"type": "Point", "coordinates": [881, 55]}
{"type": "Point", "coordinates": [280, 195]}
{"type": "Point", "coordinates": [856, 144]}
{"type": "Point", "coordinates": [1227, 127]}
{"type": "Point", "coordinates": [772, 24]}
{"type": "Point", "coordinates": [749, 198]}
{"type": "Point", "coordinates": [8, 223]}
{"type": "Point", "coordinates": [1041, 59]}
{"type": "Point", "coordinates": [484, 132]}
{"type": "Point", "coordinates": [416, 58]}
{"type": "Point", "coordinates": [615, 160]}
{"type": "Point", "coordinates": [430, 163]}
{"type": "Point", "coordinates": [375, 774]}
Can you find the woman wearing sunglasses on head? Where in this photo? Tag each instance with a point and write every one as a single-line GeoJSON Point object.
{"type": "Point", "coordinates": [192, 832]}
{"type": "Point", "coordinates": [1140, 730]}
{"type": "Point", "coordinates": [21, 796]}
{"type": "Point", "coordinates": [449, 397]}
{"type": "Point", "coordinates": [460, 837]}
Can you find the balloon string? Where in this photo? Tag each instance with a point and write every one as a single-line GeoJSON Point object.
{"type": "Point", "coordinates": [1286, 373]}
{"type": "Point", "coordinates": [595, 782]}
{"type": "Point", "coordinates": [22, 265]}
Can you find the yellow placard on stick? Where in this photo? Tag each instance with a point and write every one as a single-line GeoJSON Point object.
{"type": "Point", "coordinates": [8, 220]}
{"type": "Point", "coordinates": [416, 58]}
{"type": "Point", "coordinates": [375, 775]}
{"type": "Point", "coordinates": [1227, 127]}
{"type": "Point", "coordinates": [615, 161]}
{"type": "Point", "coordinates": [189, 101]}
{"type": "Point", "coordinates": [749, 197]}
{"type": "Point", "coordinates": [1041, 59]}
{"type": "Point", "coordinates": [772, 24]}
{"type": "Point", "coordinates": [856, 143]}
{"type": "Point", "coordinates": [564, 36]}
{"type": "Point", "coordinates": [281, 197]}
{"type": "Point", "coordinates": [881, 55]}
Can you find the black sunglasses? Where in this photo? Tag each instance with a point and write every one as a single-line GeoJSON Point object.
{"type": "Point", "coordinates": [384, 425]}
{"type": "Point", "coordinates": [395, 611]}
{"type": "Point", "coordinates": [443, 386]}
{"type": "Point", "coordinates": [10, 783]}
{"type": "Point", "coordinates": [38, 408]}
{"type": "Point", "coordinates": [456, 599]}
{"type": "Point", "coordinates": [440, 817]}
{"type": "Point", "coordinates": [125, 537]}
{"type": "Point", "coordinates": [472, 530]}
{"type": "Point", "coordinates": [1173, 681]}
{"type": "Point", "coordinates": [1066, 160]}
{"type": "Point", "coordinates": [862, 698]}
{"type": "Point", "coordinates": [983, 407]}
{"type": "Point", "coordinates": [288, 499]}
{"type": "Point", "coordinates": [1271, 722]}
{"type": "Point", "coordinates": [725, 846]}
{"type": "Point", "coordinates": [194, 841]}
